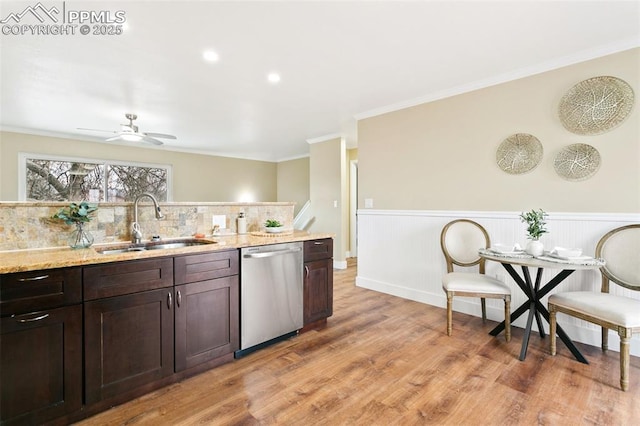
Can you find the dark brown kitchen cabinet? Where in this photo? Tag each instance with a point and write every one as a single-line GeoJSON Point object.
{"type": "Point", "coordinates": [128, 342]}
{"type": "Point", "coordinates": [318, 281]}
{"type": "Point", "coordinates": [207, 308]}
{"type": "Point", "coordinates": [206, 266]}
{"type": "Point", "coordinates": [29, 291]}
{"type": "Point", "coordinates": [40, 345]}
{"type": "Point", "coordinates": [207, 326]}
{"type": "Point", "coordinates": [115, 279]}
{"type": "Point", "coordinates": [128, 335]}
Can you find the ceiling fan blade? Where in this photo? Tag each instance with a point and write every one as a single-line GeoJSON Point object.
{"type": "Point", "coordinates": [160, 135]}
{"type": "Point", "coordinates": [149, 139]}
{"type": "Point", "coordinates": [129, 133]}
{"type": "Point", "coordinates": [96, 130]}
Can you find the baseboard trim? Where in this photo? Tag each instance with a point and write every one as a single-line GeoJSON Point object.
{"type": "Point", "coordinates": [339, 264]}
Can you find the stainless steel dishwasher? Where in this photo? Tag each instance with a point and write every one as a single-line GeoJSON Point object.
{"type": "Point", "coordinates": [271, 294]}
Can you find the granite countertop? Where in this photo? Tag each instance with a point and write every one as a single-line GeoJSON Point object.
{"type": "Point", "coordinates": [58, 257]}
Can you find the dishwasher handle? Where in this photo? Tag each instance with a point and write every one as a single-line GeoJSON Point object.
{"type": "Point", "coordinates": [271, 253]}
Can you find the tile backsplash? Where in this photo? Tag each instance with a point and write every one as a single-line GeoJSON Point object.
{"type": "Point", "coordinates": [28, 225]}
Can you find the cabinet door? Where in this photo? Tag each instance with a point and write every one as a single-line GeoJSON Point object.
{"type": "Point", "coordinates": [128, 342]}
{"type": "Point", "coordinates": [41, 365]}
{"type": "Point", "coordinates": [318, 290]}
{"type": "Point", "coordinates": [207, 321]}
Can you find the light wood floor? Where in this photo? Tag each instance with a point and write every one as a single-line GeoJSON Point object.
{"type": "Point", "coordinates": [385, 360]}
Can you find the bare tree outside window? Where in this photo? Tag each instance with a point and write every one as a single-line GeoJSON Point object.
{"type": "Point", "coordinates": [124, 183]}
{"type": "Point", "coordinates": [61, 180]}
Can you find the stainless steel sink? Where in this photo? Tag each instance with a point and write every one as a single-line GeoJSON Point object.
{"type": "Point", "coordinates": [154, 245]}
{"type": "Point", "coordinates": [165, 246]}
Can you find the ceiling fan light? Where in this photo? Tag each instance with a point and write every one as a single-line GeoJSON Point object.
{"type": "Point", "coordinates": [131, 137]}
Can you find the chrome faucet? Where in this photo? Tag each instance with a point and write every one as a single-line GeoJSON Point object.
{"type": "Point", "coordinates": [136, 232]}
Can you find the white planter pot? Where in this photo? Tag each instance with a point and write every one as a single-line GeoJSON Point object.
{"type": "Point", "coordinates": [534, 248]}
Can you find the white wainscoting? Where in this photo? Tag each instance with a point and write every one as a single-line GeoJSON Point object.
{"type": "Point", "coordinates": [399, 254]}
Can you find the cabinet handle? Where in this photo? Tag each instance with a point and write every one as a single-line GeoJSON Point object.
{"type": "Point", "coordinates": [38, 318]}
{"type": "Point", "coordinates": [169, 301]}
{"type": "Point", "coordinates": [318, 243]}
{"type": "Point", "coordinates": [306, 271]}
{"type": "Point", "coordinates": [271, 253]}
{"type": "Point", "coordinates": [38, 278]}
{"type": "Point", "coordinates": [179, 299]}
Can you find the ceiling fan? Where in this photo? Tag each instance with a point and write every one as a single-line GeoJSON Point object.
{"type": "Point", "coordinates": [129, 132]}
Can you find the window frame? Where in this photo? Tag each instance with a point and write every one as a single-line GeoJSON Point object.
{"type": "Point", "coordinates": [24, 156]}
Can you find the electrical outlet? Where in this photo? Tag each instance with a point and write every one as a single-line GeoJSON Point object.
{"type": "Point", "coordinates": [220, 220]}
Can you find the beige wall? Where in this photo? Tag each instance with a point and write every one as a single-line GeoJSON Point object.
{"type": "Point", "coordinates": [351, 228]}
{"type": "Point", "coordinates": [441, 155]}
{"type": "Point", "coordinates": [293, 182]}
{"type": "Point", "coordinates": [326, 177]}
{"type": "Point", "coordinates": [195, 177]}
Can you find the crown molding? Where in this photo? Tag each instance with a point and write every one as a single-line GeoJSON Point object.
{"type": "Point", "coordinates": [564, 61]}
{"type": "Point", "coordinates": [325, 138]}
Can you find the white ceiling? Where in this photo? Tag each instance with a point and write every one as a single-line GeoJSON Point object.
{"type": "Point", "coordinates": [339, 61]}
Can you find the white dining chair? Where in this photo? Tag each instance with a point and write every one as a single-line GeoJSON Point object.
{"type": "Point", "coordinates": [620, 248]}
{"type": "Point", "coordinates": [460, 241]}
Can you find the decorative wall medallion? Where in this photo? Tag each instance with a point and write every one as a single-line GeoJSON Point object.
{"type": "Point", "coordinates": [596, 105]}
{"type": "Point", "coordinates": [519, 153]}
{"type": "Point", "coordinates": [577, 162]}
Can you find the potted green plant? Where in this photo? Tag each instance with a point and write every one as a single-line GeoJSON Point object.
{"type": "Point", "coordinates": [535, 220]}
{"type": "Point", "coordinates": [78, 214]}
{"type": "Point", "coordinates": [273, 226]}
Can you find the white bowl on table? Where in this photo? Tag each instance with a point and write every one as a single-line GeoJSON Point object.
{"type": "Point", "coordinates": [505, 248]}
{"type": "Point", "coordinates": [567, 252]}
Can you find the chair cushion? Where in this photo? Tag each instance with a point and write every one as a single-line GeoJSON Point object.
{"type": "Point", "coordinates": [472, 282]}
{"type": "Point", "coordinates": [618, 310]}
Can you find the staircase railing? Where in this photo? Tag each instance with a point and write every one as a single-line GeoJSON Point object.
{"type": "Point", "coordinates": [304, 218]}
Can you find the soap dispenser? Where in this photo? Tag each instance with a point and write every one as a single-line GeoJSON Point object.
{"type": "Point", "coordinates": [242, 223]}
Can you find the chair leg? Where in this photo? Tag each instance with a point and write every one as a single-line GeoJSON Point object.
{"type": "Point", "coordinates": [552, 328]}
{"type": "Point", "coordinates": [483, 302]}
{"type": "Point", "coordinates": [625, 337]}
{"type": "Point", "coordinates": [507, 318]}
{"type": "Point", "coordinates": [449, 313]}
{"type": "Point", "coordinates": [605, 339]}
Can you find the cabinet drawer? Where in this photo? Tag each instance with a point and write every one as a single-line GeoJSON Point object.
{"type": "Point", "coordinates": [206, 266]}
{"type": "Point", "coordinates": [35, 290]}
{"type": "Point", "coordinates": [115, 279]}
{"type": "Point", "coordinates": [318, 249]}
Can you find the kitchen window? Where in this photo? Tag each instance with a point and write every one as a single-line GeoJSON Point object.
{"type": "Point", "coordinates": [51, 178]}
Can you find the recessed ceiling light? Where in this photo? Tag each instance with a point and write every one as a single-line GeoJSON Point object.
{"type": "Point", "coordinates": [273, 77]}
{"type": "Point", "coordinates": [210, 56]}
